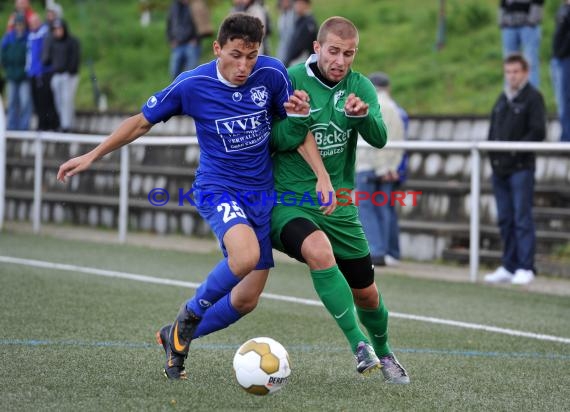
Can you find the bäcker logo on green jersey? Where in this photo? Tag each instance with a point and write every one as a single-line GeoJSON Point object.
{"type": "Point", "coordinates": [330, 138]}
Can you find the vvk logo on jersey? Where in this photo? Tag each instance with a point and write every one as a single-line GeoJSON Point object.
{"type": "Point", "coordinates": [244, 131]}
{"type": "Point", "coordinates": [259, 95]}
{"type": "Point", "coordinates": [339, 100]}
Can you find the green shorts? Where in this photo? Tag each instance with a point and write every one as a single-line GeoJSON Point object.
{"type": "Point", "coordinates": [343, 228]}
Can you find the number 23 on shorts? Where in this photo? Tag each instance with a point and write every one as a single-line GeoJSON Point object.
{"type": "Point", "coordinates": [231, 210]}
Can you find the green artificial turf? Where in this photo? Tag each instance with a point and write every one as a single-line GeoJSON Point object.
{"type": "Point", "coordinates": [76, 341]}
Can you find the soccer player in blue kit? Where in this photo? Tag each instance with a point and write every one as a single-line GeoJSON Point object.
{"type": "Point", "coordinates": [233, 100]}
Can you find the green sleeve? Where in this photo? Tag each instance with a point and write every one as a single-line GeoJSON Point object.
{"type": "Point", "coordinates": [287, 134]}
{"type": "Point", "coordinates": [371, 127]}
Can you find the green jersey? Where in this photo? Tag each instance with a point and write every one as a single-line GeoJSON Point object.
{"type": "Point", "coordinates": [335, 132]}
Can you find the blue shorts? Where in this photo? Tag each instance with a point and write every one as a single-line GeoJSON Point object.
{"type": "Point", "coordinates": [223, 208]}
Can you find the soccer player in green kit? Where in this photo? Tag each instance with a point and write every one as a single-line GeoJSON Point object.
{"type": "Point", "coordinates": [344, 104]}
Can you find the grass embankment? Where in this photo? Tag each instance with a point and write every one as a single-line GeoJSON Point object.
{"type": "Point", "coordinates": [398, 37]}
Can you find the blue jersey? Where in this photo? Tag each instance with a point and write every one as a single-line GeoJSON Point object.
{"type": "Point", "coordinates": [233, 123]}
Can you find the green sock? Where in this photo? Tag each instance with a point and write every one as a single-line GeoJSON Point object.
{"type": "Point", "coordinates": [376, 323]}
{"type": "Point", "coordinates": [336, 295]}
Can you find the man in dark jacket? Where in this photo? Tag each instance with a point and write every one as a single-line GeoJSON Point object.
{"type": "Point", "coordinates": [183, 38]}
{"type": "Point", "coordinates": [561, 52]}
{"type": "Point", "coordinates": [63, 55]}
{"type": "Point", "coordinates": [519, 115]}
{"type": "Point", "coordinates": [305, 33]}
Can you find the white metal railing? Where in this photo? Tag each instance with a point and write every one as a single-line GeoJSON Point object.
{"type": "Point", "coordinates": [473, 147]}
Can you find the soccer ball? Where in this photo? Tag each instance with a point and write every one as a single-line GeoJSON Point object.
{"type": "Point", "coordinates": [262, 366]}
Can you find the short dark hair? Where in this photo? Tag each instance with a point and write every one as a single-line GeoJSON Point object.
{"type": "Point", "coordinates": [339, 26]}
{"type": "Point", "coordinates": [517, 58]}
{"type": "Point", "coordinates": [240, 26]}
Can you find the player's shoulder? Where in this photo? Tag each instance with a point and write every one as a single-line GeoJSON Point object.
{"type": "Point", "coordinates": [267, 62]}
{"type": "Point", "coordinates": [269, 70]}
{"type": "Point", "coordinates": [203, 72]}
{"type": "Point", "coordinates": [298, 69]}
{"type": "Point", "coordinates": [298, 74]}
{"type": "Point", "coordinates": [360, 84]}
{"type": "Point", "coordinates": [359, 79]}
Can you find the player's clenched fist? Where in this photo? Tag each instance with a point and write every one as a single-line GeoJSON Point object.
{"type": "Point", "coordinates": [354, 106]}
{"type": "Point", "coordinates": [298, 103]}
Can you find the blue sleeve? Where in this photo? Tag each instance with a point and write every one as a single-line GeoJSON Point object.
{"type": "Point", "coordinates": [164, 104]}
{"type": "Point", "coordinates": [284, 89]}
{"type": "Point", "coordinates": [5, 39]}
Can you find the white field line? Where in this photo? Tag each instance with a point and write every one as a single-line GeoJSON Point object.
{"type": "Point", "coordinates": [292, 299]}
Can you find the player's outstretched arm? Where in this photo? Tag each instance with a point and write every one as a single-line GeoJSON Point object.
{"type": "Point", "coordinates": [325, 190]}
{"type": "Point", "coordinates": [130, 129]}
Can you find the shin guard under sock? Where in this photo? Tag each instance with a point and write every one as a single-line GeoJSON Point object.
{"type": "Point", "coordinates": [334, 292]}
{"type": "Point", "coordinates": [221, 315]}
{"type": "Point", "coordinates": [376, 323]}
{"type": "Point", "coordinates": [219, 283]}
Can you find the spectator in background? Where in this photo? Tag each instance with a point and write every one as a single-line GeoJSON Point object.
{"type": "Point", "coordinates": [40, 76]}
{"type": "Point", "coordinates": [201, 16]}
{"type": "Point", "coordinates": [519, 115]}
{"type": "Point", "coordinates": [63, 55]}
{"type": "Point", "coordinates": [183, 38]}
{"type": "Point", "coordinates": [2, 81]}
{"type": "Point", "coordinates": [14, 62]}
{"type": "Point", "coordinates": [304, 33]}
{"type": "Point", "coordinates": [257, 9]}
{"type": "Point", "coordinates": [402, 171]}
{"type": "Point", "coordinates": [521, 32]}
{"type": "Point", "coordinates": [561, 52]}
{"type": "Point", "coordinates": [54, 11]}
{"type": "Point", "coordinates": [285, 26]}
{"type": "Point", "coordinates": [377, 171]}
{"type": "Point", "coordinates": [23, 8]}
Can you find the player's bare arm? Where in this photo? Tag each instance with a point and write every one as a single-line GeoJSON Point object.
{"type": "Point", "coordinates": [129, 130]}
{"type": "Point", "coordinates": [324, 188]}
{"type": "Point", "coordinates": [354, 106]}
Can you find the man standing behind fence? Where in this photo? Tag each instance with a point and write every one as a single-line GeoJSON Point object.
{"type": "Point", "coordinates": [519, 115]}
{"type": "Point", "coordinates": [561, 61]}
{"type": "Point", "coordinates": [63, 55]}
{"type": "Point", "coordinates": [183, 37]}
{"type": "Point", "coordinates": [520, 22]}
{"type": "Point", "coordinates": [377, 171]}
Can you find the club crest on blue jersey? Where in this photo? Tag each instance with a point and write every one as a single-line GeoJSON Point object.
{"type": "Point", "coordinates": [259, 95]}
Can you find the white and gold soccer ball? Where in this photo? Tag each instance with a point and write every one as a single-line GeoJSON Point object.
{"type": "Point", "coordinates": [262, 366]}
